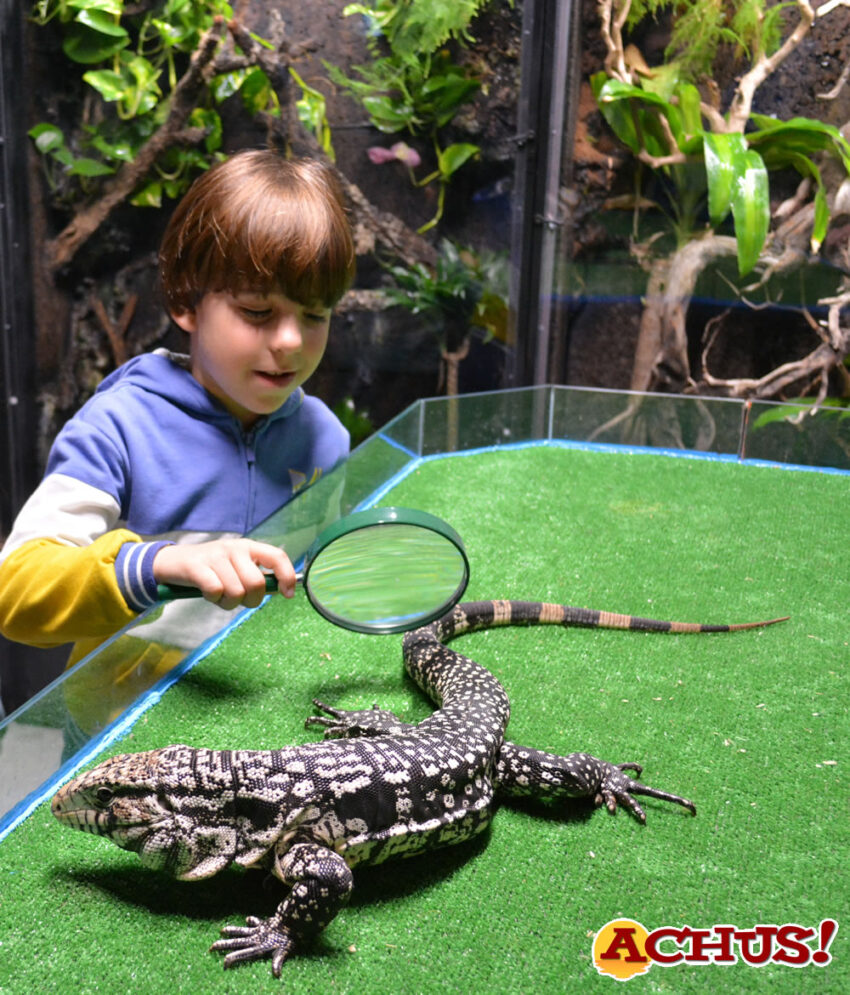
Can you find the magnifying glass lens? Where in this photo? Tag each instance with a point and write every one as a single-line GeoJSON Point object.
{"type": "Point", "coordinates": [417, 572]}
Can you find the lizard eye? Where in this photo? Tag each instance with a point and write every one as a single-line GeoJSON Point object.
{"type": "Point", "coordinates": [104, 795]}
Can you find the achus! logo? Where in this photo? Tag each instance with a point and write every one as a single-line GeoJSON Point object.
{"type": "Point", "coordinates": [624, 949]}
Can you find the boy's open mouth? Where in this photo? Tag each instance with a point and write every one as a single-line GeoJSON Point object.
{"type": "Point", "coordinates": [281, 379]}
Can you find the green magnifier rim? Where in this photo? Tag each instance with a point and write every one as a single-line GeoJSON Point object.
{"type": "Point", "coordinates": [386, 516]}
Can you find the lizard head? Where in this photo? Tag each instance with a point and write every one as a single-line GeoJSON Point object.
{"type": "Point", "coordinates": [152, 803]}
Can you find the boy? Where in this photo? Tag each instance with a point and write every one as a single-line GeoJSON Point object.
{"type": "Point", "coordinates": [175, 457]}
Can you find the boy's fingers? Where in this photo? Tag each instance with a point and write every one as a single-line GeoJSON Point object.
{"type": "Point", "coordinates": [243, 580]}
{"type": "Point", "coordinates": [229, 572]}
{"type": "Point", "coordinates": [276, 560]}
{"type": "Point", "coordinates": [222, 585]}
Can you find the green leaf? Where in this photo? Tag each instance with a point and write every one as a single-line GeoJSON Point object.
{"type": "Point", "coordinates": [632, 114]}
{"type": "Point", "coordinates": [256, 91]}
{"type": "Point", "coordinates": [801, 134]}
{"type": "Point", "coordinates": [227, 84]}
{"type": "Point", "coordinates": [102, 23]}
{"type": "Point", "coordinates": [806, 167]}
{"type": "Point", "coordinates": [144, 90]}
{"type": "Point", "coordinates": [799, 406]}
{"type": "Point", "coordinates": [453, 157]}
{"type": "Point", "coordinates": [689, 101]}
{"type": "Point", "coordinates": [663, 81]}
{"type": "Point", "coordinates": [170, 33]}
{"type": "Point", "coordinates": [386, 115]}
{"type": "Point", "coordinates": [114, 7]}
{"type": "Point", "coordinates": [615, 108]}
{"type": "Point", "coordinates": [47, 137]}
{"type": "Point", "coordinates": [84, 45]}
{"type": "Point", "coordinates": [110, 85]}
{"type": "Point", "coordinates": [750, 209]}
{"type": "Point", "coordinates": [149, 196]}
{"type": "Point", "coordinates": [723, 163]}
{"type": "Point", "coordinates": [312, 112]}
{"type": "Point", "coordinates": [210, 120]}
{"type": "Point", "coordinates": [90, 167]}
{"type": "Point", "coordinates": [120, 151]}
{"type": "Point", "coordinates": [821, 224]}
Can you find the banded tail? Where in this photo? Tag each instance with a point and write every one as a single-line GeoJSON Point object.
{"type": "Point", "coordinates": [472, 615]}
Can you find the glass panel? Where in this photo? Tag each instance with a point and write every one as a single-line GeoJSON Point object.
{"type": "Point", "coordinates": [664, 421]}
{"type": "Point", "coordinates": [90, 699]}
{"type": "Point", "coordinates": [791, 433]}
{"type": "Point", "coordinates": [405, 430]}
{"type": "Point", "coordinates": [496, 418]}
{"type": "Point", "coordinates": [689, 260]}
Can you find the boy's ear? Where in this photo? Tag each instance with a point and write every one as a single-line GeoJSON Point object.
{"type": "Point", "coordinates": [185, 320]}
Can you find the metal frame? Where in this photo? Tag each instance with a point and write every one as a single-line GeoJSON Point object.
{"type": "Point", "coordinates": [17, 468]}
{"type": "Point", "coordinates": [549, 77]}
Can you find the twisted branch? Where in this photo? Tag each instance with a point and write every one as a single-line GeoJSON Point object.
{"type": "Point", "coordinates": [62, 249]}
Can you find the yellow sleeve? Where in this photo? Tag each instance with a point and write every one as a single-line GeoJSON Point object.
{"type": "Point", "coordinates": [52, 593]}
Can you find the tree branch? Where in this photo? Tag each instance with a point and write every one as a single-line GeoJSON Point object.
{"type": "Point", "coordinates": [370, 223]}
{"type": "Point", "coordinates": [62, 249]}
{"type": "Point", "coordinates": [742, 102]}
{"type": "Point", "coordinates": [815, 367]}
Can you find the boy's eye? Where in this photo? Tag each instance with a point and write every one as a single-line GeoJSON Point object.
{"type": "Point", "coordinates": [256, 313]}
{"type": "Point", "coordinates": [317, 316]}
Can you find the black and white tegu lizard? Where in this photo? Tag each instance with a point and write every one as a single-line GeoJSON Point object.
{"type": "Point", "coordinates": [375, 788]}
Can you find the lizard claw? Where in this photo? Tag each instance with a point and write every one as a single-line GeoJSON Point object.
{"type": "Point", "coordinates": [617, 787]}
{"type": "Point", "coordinates": [344, 724]}
{"type": "Point", "coordinates": [259, 939]}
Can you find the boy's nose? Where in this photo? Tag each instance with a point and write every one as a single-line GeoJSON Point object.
{"type": "Point", "coordinates": [286, 336]}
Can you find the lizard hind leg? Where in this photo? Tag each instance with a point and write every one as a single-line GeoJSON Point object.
{"type": "Point", "coordinates": [617, 786]}
{"type": "Point", "coordinates": [525, 772]}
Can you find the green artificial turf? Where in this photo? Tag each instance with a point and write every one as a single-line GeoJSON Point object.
{"type": "Point", "coordinates": [750, 725]}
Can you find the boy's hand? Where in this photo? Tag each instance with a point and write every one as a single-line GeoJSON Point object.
{"type": "Point", "coordinates": [226, 571]}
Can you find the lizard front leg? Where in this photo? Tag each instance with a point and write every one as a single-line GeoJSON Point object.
{"type": "Point", "coordinates": [524, 772]}
{"type": "Point", "coordinates": [344, 724]}
{"type": "Point", "coordinates": [321, 884]}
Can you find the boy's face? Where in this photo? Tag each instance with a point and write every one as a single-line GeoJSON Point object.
{"type": "Point", "coordinates": [252, 350]}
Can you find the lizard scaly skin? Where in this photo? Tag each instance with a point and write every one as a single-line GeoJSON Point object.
{"type": "Point", "coordinates": [374, 789]}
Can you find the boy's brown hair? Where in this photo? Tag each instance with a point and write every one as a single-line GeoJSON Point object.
{"type": "Point", "coordinates": [258, 222]}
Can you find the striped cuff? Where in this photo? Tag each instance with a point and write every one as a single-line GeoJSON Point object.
{"type": "Point", "coordinates": [134, 573]}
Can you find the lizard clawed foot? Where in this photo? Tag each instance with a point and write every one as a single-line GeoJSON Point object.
{"type": "Point", "coordinates": [344, 724]}
{"type": "Point", "coordinates": [259, 939]}
{"type": "Point", "coordinates": [616, 786]}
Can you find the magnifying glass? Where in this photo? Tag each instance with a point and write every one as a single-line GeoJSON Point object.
{"type": "Point", "coordinates": [382, 570]}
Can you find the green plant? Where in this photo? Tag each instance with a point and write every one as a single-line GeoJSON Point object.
{"type": "Point", "coordinates": [312, 112]}
{"type": "Point", "coordinates": [715, 166]}
{"type": "Point", "coordinates": [412, 83]}
{"type": "Point", "coordinates": [447, 294]}
{"type": "Point", "coordinates": [132, 56]}
{"type": "Point", "coordinates": [464, 289]}
{"type": "Point", "coordinates": [704, 157]}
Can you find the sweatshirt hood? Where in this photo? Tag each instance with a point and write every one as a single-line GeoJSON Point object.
{"type": "Point", "coordinates": [168, 375]}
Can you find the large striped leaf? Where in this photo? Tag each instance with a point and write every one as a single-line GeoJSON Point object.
{"type": "Point", "coordinates": [724, 162]}
{"type": "Point", "coordinates": [737, 181]}
{"type": "Point", "coordinates": [750, 208]}
{"type": "Point", "coordinates": [799, 135]}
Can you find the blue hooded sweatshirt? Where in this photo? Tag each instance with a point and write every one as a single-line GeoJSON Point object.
{"type": "Point", "coordinates": [152, 458]}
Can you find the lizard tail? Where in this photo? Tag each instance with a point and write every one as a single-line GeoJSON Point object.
{"type": "Point", "coordinates": [470, 616]}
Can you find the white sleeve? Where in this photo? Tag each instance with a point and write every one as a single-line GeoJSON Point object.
{"type": "Point", "coordinates": [67, 510]}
